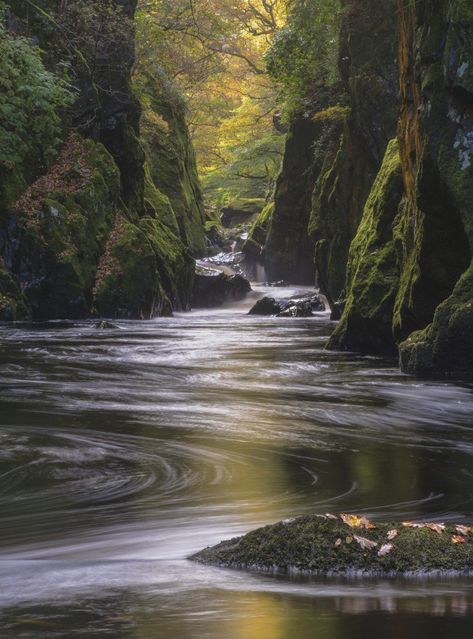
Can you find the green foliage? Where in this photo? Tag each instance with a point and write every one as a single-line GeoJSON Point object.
{"type": "Point", "coordinates": [30, 102]}
{"type": "Point", "coordinates": [250, 174]}
{"type": "Point", "coordinates": [304, 53]}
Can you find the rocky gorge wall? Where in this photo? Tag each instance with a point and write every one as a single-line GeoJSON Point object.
{"type": "Point", "coordinates": [391, 217]}
{"type": "Point", "coordinates": [96, 227]}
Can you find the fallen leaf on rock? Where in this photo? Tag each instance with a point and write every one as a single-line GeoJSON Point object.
{"type": "Point", "coordinates": [349, 540]}
{"type": "Point", "coordinates": [330, 516]}
{"type": "Point", "coordinates": [458, 539]}
{"type": "Point", "coordinates": [384, 550]}
{"type": "Point", "coordinates": [392, 534]}
{"type": "Point", "coordinates": [355, 521]}
{"type": "Point", "coordinates": [439, 528]}
{"type": "Point", "coordinates": [338, 542]}
{"type": "Point", "coordinates": [464, 530]}
{"type": "Point", "coordinates": [366, 544]}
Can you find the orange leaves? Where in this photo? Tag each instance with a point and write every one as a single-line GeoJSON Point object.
{"type": "Point", "coordinates": [463, 530]}
{"type": "Point", "coordinates": [355, 521]}
{"type": "Point", "coordinates": [458, 539]}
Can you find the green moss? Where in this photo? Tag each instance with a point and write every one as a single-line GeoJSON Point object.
{"type": "Point", "coordinates": [171, 161]}
{"type": "Point", "coordinates": [158, 204]}
{"type": "Point", "coordinates": [13, 304]}
{"type": "Point", "coordinates": [373, 270]}
{"type": "Point", "coordinates": [327, 546]}
{"type": "Point", "coordinates": [65, 222]}
{"type": "Point", "coordinates": [445, 347]}
{"type": "Point", "coordinates": [259, 229]}
{"type": "Point", "coordinates": [151, 272]}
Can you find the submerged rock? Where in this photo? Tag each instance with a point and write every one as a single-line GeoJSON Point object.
{"type": "Point", "coordinates": [213, 287]}
{"type": "Point", "coordinates": [348, 545]}
{"type": "Point", "coordinates": [104, 325]}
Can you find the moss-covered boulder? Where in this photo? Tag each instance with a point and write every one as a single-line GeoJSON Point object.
{"type": "Point", "coordinates": [56, 230]}
{"type": "Point", "coordinates": [373, 268]}
{"type": "Point", "coordinates": [349, 545]}
{"type": "Point", "coordinates": [445, 347]}
{"type": "Point", "coordinates": [145, 271]}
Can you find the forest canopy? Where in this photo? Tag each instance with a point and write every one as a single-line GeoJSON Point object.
{"type": "Point", "coordinates": [239, 68]}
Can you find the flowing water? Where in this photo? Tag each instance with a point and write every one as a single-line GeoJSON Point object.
{"type": "Point", "coordinates": [124, 451]}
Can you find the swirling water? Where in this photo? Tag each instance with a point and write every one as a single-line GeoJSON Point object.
{"type": "Point", "coordinates": [123, 451]}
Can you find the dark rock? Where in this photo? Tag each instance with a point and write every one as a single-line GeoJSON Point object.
{"type": "Point", "coordinates": [104, 325]}
{"type": "Point", "coordinates": [213, 287]}
{"type": "Point", "coordinates": [266, 306]}
{"type": "Point", "coordinates": [301, 306]}
{"type": "Point", "coordinates": [301, 309]}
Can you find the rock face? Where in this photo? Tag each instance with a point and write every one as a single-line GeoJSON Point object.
{"type": "Point", "coordinates": [348, 545]}
{"type": "Point", "coordinates": [437, 153]}
{"type": "Point", "coordinates": [333, 154]}
{"type": "Point", "coordinates": [390, 217]}
{"type": "Point", "coordinates": [420, 254]}
{"type": "Point", "coordinates": [355, 146]}
{"type": "Point", "coordinates": [102, 228]}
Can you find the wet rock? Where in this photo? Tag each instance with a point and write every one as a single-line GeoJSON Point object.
{"type": "Point", "coordinates": [266, 306]}
{"type": "Point", "coordinates": [213, 287]}
{"type": "Point", "coordinates": [104, 325]}
{"type": "Point", "coordinates": [301, 309]}
{"type": "Point", "coordinates": [301, 306]}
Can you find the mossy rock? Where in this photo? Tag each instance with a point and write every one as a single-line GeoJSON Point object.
{"type": "Point", "coordinates": [322, 545]}
{"type": "Point", "coordinates": [13, 304]}
{"type": "Point", "coordinates": [445, 347]}
{"type": "Point", "coordinates": [171, 160]}
{"type": "Point", "coordinates": [259, 229]}
{"type": "Point", "coordinates": [145, 272]}
{"type": "Point", "coordinates": [61, 224]}
{"type": "Point", "coordinates": [373, 270]}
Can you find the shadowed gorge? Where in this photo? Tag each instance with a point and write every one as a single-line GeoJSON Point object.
{"type": "Point", "coordinates": [236, 318]}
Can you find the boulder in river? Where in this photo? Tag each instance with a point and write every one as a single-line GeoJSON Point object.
{"type": "Point", "coordinates": [213, 287]}
{"type": "Point", "coordinates": [348, 545]}
{"type": "Point", "coordinates": [301, 306]}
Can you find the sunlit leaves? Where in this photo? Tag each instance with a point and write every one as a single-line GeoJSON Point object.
{"type": "Point", "coordinates": [355, 521]}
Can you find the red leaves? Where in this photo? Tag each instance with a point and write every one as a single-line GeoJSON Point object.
{"type": "Point", "coordinates": [69, 173]}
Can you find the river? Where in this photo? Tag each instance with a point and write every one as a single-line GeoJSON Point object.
{"type": "Point", "coordinates": [123, 451]}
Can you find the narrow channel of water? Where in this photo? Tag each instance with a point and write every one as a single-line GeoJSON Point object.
{"type": "Point", "coordinates": [123, 451]}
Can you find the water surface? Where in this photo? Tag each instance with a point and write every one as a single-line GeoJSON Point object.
{"type": "Point", "coordinates": [124, 451]}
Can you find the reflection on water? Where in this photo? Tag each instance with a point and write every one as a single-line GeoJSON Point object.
{"type": "Point", "coordinates": [124, 451]}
